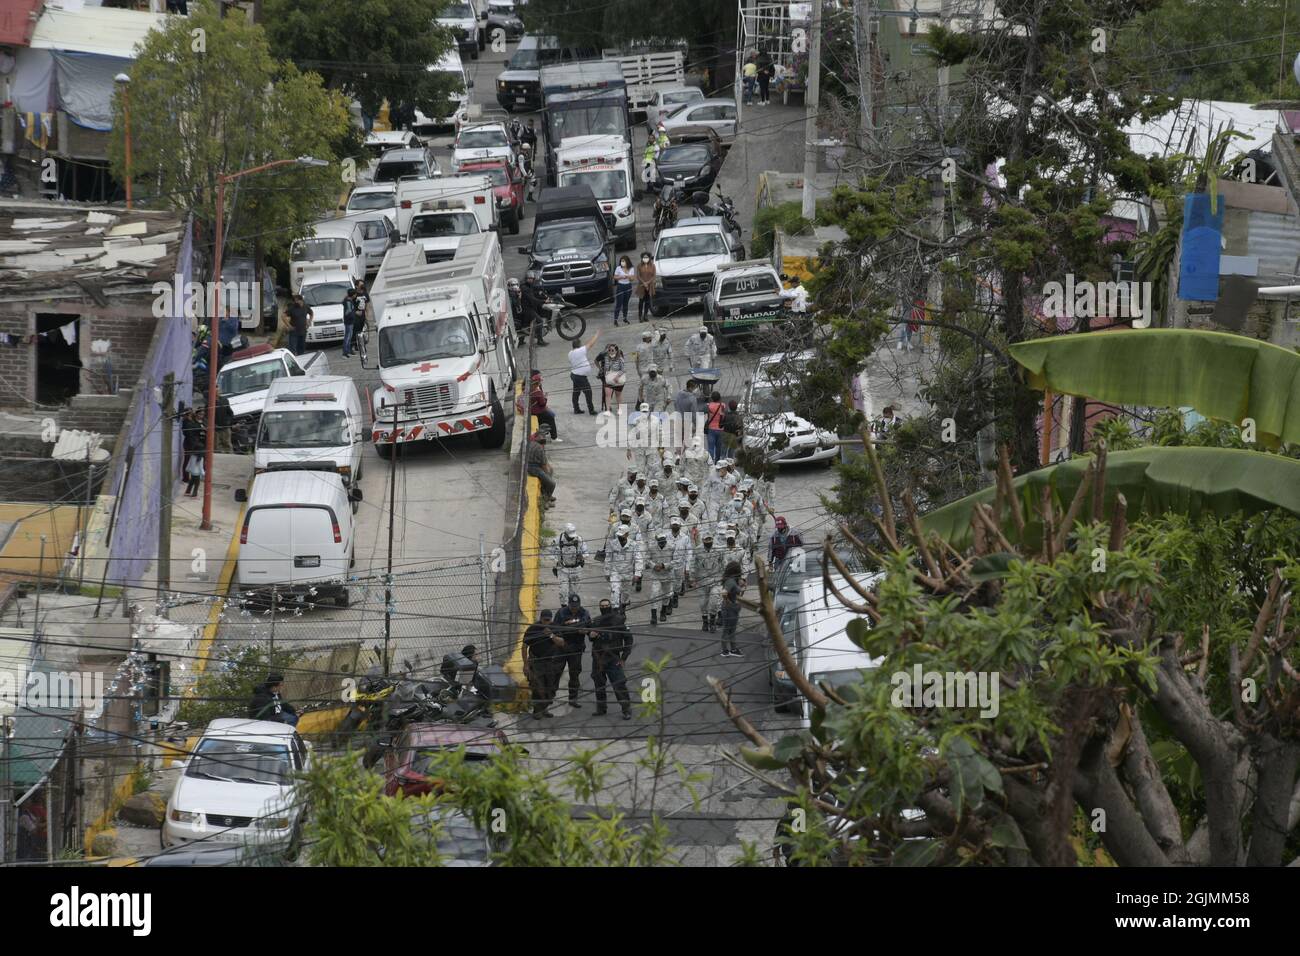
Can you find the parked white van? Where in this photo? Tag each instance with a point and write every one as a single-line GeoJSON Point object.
{"type": "Point", "coordinates": [312, 424]}
{"type": "Point", "coordinates": [297, 537]}
{"type": "Point", "coordinates": [816, 632]}
{"type": "Point", "coordinates": [335, 249]}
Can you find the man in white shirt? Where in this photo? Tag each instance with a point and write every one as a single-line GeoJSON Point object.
{"type": "Point", "coordinates": [796, 296]}
{"type": "Point", "coordinates": [579, 369]}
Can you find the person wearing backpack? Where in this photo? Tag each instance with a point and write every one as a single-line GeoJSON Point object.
{"type": "Point", "coordinates": [733, 428]}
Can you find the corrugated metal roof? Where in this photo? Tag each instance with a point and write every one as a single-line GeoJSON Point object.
{"type": "Point", "coordinates": [1275, 240]}
{"type": "Point", "coordinates": [106, 31]}
{"type": "Point", "coordinates": [17, 21]}
{"type": "Point", "coordinates": [1168, 133]}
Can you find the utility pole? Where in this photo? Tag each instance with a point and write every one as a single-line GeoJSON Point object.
{"type": "Point", "coordinates": [6, 792]}
{"type": "Point", "coordinates": [166, 487]}
{"type": "Point", "coordinates": [862, 19]}
{"type": "Point", "coordinates": [392, 511]}
{"type": "Point", "coordinates": [810, 110]}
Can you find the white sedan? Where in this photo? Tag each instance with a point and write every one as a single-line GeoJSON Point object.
{"type": "Point", "coordinates": [787, 439]}
{"type": "Point", "coordinates": [238, 786]}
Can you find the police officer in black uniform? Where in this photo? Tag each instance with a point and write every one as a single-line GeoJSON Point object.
{"type": "Point", "coordinates": [573, 622]}
{"type": "Point", "coordinates": [611, 643]}
{"type": "Point", "coordinates": [544, 647]}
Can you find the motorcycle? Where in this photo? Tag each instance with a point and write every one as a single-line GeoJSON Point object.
{"type": "Point", "coordinates": [453, 697]}
{"type": "Point", "coordinates": [724, 208]}
{"type": "Point", "coordinates": [665, 214]}
{"type": "Point", "coordinates": [568, 326]}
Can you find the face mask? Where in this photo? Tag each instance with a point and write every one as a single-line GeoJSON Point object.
{"type": "Point", "coordinates": [653, 376]}
{"type": "Point", "coordinates": [702, 334]}
{"type": "Point", "coordinates": [645, 258]}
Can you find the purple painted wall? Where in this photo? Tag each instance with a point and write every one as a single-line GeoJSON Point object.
{"type": "Point", "coordinates": [135, 529]}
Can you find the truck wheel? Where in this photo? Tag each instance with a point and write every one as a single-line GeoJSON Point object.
{"type": "Point", "coordinates": [482, 41]}
{"type": "Point", "coordinates": [523, 210]}
{"type": "Point", "coordinates": [385, 451]}
{"type": "Point", "coordinates": [494, 437]}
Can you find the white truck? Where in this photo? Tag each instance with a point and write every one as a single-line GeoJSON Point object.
{"type": "Point", "coordinates": [602, 163]}
{"type": "Point", "coordinates": [245, 380]}
{"type": "Point", "coordinates": [646, 73]}
{"type": "Point", "coordinates": [475, 191]}
{"type": "Point", "coordinates": [441, 224]}
{"type": "Point", "coordinates": [445, 346]}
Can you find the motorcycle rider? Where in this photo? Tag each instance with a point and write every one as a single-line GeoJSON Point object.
{"type": "Point", "coordinates": [611, 645]}
{"type": "Point", "coordinates": [706, 574]}
{"type": "Point", "coordinates": [659, 565]}
{"type": "Point", "coordinates": [624, 559]}
{"type": "Point", "coordinates": [536, 315]}
{"type": "Point", "coordinates": [543, 647]}
{"type": "Point", "coordinates": [701, 349]}
{"type": "Point", "coordinates": [570, 553]}
{"type": "Point", "coordinates": [680, 541]}
{"type": "Point", "coordinates": [572, 623]}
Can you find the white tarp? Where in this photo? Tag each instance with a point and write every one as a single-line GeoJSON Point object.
{"type": "Point", "coordinates": [31, 86]}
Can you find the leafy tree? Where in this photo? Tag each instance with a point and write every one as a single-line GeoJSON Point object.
{"type": "Point", "coordinates": [208, 99]}
{"type": "Point", "coordinates": [371, 50]}
{"type": "Point", "coordinates": [1217, 49]}
{"type": "Point", "coordinates": [226, 687]}
{"type": "Point", "coordinates": [1147, 701]}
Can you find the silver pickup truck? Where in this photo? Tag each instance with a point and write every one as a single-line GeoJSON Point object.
{"type": "Point", "coordinates": [244, 380]}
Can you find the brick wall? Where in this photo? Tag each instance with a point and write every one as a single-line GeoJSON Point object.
{"type": "Point", "coordinates": [131, 338]}
{"type": "Point", "coordinates": [17, 363]}
{"type": "Point", "coordinates": [98, 413]}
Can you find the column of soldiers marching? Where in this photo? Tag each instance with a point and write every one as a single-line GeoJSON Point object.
{"type": "Point", "coordinates": [677, 522]}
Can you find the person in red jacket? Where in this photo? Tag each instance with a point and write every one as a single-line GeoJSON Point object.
{"type": "Point", "coordinates": [782, 542]}
{"type": "Point", "coordinates": [538, 405]}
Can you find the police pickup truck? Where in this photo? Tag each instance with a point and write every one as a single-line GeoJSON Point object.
{"type": "Point", "coordinates": [745, 297]}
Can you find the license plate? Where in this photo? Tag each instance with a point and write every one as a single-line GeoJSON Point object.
{"type": "Point", "coordinates": [735, 313]}
{"type": "Point", "coordinates": [568, 290]}
{"type": "Point", "coordinates": [692, 299]}
{"type": "Point", "coordinates": [521, 99]}
{"type": "Point", "coordinates": [307, 561]}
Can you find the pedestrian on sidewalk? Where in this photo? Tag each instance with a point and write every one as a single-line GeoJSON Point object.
{"type": "Point", "coordinates": [729, 613]}
{"type": "Point", "coordinates": [349, 320]}
{"type": "Point", "coordinates": [766, 70]}
{"type": "Point", "coordinates": [613, 376]}
{"type": "Point", "coordinates": [194, 474]}
{"type": "Point", "coordinates": [645, 287]}
{"type": "Point", "coordinates": [579, 370]}
{"type": "Point", "coordinates": [225, 420]}
{"type": "Point", "coordinates": [300, 319]}
{"type": "Point", "coordinates": [750, 75]}
{"type": "Point", "coordinates": [542, 649]}
{"type": "Point", "coordinates": [624, 275]}
{"type": "Point", "coordinates": [713, 426]}
{"type": "Point", "coordinates": [539, 467]}
{"type": "Point", "coordinates": [733, 429]}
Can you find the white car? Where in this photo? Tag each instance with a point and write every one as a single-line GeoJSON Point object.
{"type": "Point", "coordinates": [770, 427]}
{"type": "Point", "coordinates": [686, 256]}
{"type": "Point", "coordinates": [482, 141]}
{"type": "Point", "coordinates": [324, 296]}
{"type": "Point", "coordinates": [666, 101]}
{"type": "Point", "coordinates": [717, 114]}
{"type": "Point", "coordinates": [380, 199]}
{"type": "Point", "coordinates": [238, 786]}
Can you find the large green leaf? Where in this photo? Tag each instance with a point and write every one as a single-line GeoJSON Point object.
{"type": "Point", "coordinates": [1224, 376]}
{"type": "Point", "coordinates": [1185, 479]}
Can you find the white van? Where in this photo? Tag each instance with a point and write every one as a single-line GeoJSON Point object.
{"type": "Point", "coordinates": [451, 67]}
{"type": "Point", "coordinates": [297, 537]}
{"type": "Point", "coordinates": [816, 632]}
{"type": "Point", "coordinates": [312, 424]}
{"type": "Point", "coordinates": [336, 248]}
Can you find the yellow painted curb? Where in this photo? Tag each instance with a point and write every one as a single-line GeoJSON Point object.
{"type": "Point", "coordinates": [103, 823]}
{"type": "Point", "coordinates": [529, 589]}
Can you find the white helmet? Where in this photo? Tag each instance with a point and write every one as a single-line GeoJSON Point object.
{"type": "Point", "coordinates": [570, 530]}
{"type": "Point", "coordinates": [643, 407]}
{"type": "Point", "coordinates": [623, 531]}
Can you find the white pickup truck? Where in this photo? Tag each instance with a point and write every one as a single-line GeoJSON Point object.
{"type": "Point", "coordinates": [245, 379]}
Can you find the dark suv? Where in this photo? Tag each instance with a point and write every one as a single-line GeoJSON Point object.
{"type": "Point", "coordinates": [519, 85]}
{"type": "Point", "coordinates": [572, 254]}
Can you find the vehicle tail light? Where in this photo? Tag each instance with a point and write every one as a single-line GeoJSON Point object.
{"type": "Point", "coordinates": [338, 535]}
{"type": "Point", "coordinates": [243, 533]}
